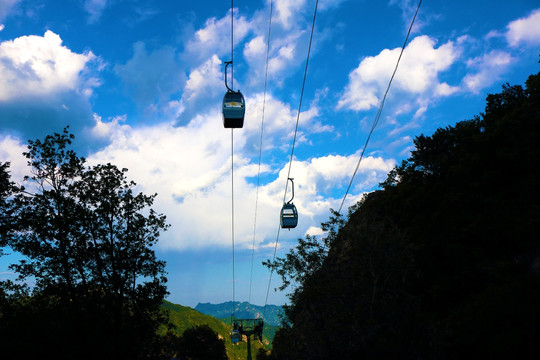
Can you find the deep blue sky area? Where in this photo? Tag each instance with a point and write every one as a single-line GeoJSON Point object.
{"type": "Point", "coordinates": [140, 83]}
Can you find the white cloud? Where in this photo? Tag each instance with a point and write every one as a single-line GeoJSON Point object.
{"type": "Point", "coordinates": [206, 79]}
{"type": "Point", "coordinates": [287, 10]}
{"type": "Point", "coordinates": [107, 130]}
{"type": "Point", "coordinates": [40, 65]}
{"type": "Point", "coordinates": [525, 30]}
{"type": "Point", "coordinates": [11, 150]}
{"type": "Point", "coordinates": [95, 9]}
{"type": "Point", "coordinates": [279, 124]}
{"type": "Point", "coordinates": [488, 68]}
{"type": "Point", "coordinates": [215, 37]}
{"type": "Point", "coordinates": [256, 47]}
{"type": "Point", "coordinates": [418, 73]}
{"type": "Point", "coordinates": [6, 6]}
{"type": "Point", "coordinates": [189, 167]}
{"type": "Point", "coordinates": [315, 231]}
{"type": "Point", "coordinates": [443, 89]}
{"type": "Point", "coordinates": [283, 57]}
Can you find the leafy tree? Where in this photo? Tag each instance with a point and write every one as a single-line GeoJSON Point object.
{"type": "Point", "coordinates": [200, 342]}
{"type": "Point", "coordinates": [442, 262]}
{"type": "Point", "coordinates": [7, 189]}
{"type": "Point", "coordinates": [86, 239]}
{"type": "Point", "coordinates": [305, 259]}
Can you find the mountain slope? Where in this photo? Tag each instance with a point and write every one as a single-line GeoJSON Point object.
{"type": "Point", "coordinates": [443, 261]}
{"type": "Point", "coordinates": [243, 310]}
{"type": "Point", "coordinates": [183, 318]}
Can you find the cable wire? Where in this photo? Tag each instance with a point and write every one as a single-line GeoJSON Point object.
{"type": "Point", "coordinates": [379, 112]}
{"type": "Point", "coordinates": [292, 148]}
{"type": "Point", "coordinates": [232, 214]}
{"type": "Point", "coordinates": [260, 151]}
{"type": "Point", "coordinates": [232, 165]}
{"type": "Point", "coordinates": [232, 44]}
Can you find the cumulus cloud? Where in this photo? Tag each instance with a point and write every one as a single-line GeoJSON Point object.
{"type": "Point", "coordinates": [487, 69]}
{"type": "Point", "coordinates": [205, 79]}
{"type": "Point", "coordinates": [40, 65]}
{"type": "Point", "coordinates": [215, 37]}
{"type": "Point", "coordinates": [283, 56]}
{"type": "Point", "coordinates": [190, 169]}
{"type": "Point", "coordinates": [525, 30]}
{"type": "Point", "coordinates": [11, 150]}
{"type": "Point", "coordinates": [44, 85]}
{"type": "Point", "coordinates": [287, 10]}
{"type": "Point", "coordinates": [255, 48]}
{"type": "Point", "coordinates": [418, 73]}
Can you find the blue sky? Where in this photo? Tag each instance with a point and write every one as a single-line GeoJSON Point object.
{"type": "Point", "coordinates": [140, 83]}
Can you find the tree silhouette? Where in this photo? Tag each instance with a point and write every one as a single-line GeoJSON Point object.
{"type": "Point", "coordinates": [200, 342]}
{"type": "Point", "coordinates": [86, 242]}
{"type": "Point", "coordinates": [6, 190]}
{"type": "Point", "coordinates": [443, 261]}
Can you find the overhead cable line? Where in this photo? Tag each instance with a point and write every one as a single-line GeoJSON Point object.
{"type": "Point", "coordinates": [292, 148]}
{"type": "Point", "coordinates": [379, 112]}
{"type": "Point", "coordinates": [232, 163]}
{"type": "Point", "coordinates": [260, 150]}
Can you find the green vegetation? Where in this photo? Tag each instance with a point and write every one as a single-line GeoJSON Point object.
{"type": "Point", "coordinates": [86, 240]}
{"type": "Point", "coordinates": [442, 262]}
{"type": "Point", "coordinates": [244, 310]}
{"type": "Point", "coordinates": [183, 318]}
{"type": "Point", "coordinates": [98, 289]}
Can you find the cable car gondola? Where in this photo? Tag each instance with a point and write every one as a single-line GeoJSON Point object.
{"type": "Point", "coordinates": [289, 214]}
{"type": "Point", "coordinates": [234, 107]}
{"type": "Point", "coordinates": [235, 336]}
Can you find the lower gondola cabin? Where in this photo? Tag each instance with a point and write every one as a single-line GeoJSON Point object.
{"type": "Point", "coordinates": [289, 216]}
{"type": "Point", "coordinates": [235, 336]}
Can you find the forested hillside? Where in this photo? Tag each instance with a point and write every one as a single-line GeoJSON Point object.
{"type": "Point", "coordinates": [183, 318]}
{"type": "Point", "coordinates": [443, 262]}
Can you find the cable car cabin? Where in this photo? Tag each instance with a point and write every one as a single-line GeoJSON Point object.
{"type": "Point", "coordinates": [235, 336]}
{"type": "Point", "coordinates": [289, 216]}
{"type": "Point", "coordinates": [233, 109]}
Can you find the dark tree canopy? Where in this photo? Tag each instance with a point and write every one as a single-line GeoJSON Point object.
{"type": "Point", "coordinates": [6, 190]}
{"type": "Point", "coordinates": [200, 342]}
{"type": "Point", "coordinates": [443, 262]}
{"type": "Point", "coordinates": [86, 242]}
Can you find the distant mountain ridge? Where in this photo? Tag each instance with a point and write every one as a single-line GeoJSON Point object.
{"type": "Point", "coordinates": [183, 318]}
{"type": "Point", "coordinates": [242, 310]}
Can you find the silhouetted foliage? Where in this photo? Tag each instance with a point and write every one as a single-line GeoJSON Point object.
{"type": "Point", "coordinates": [199, 343]}
{"type": "Point", "coordinates": [86, 244]}
{"type": "Point", "coordinates": [7, 188]}
{"type": "Point", "coordinates": [443, 262]}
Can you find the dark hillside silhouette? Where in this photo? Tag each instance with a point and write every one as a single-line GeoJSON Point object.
{"type": "Point", "coordinates": [444, 261]}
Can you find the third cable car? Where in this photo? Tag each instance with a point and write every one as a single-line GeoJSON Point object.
{"type": "Point", "coordinates": [235, 335]}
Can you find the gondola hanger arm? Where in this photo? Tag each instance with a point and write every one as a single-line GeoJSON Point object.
{"type": "Point", "coordinates": [292, 187]}
{"type": "Point", "coordinates": [227, 63]}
